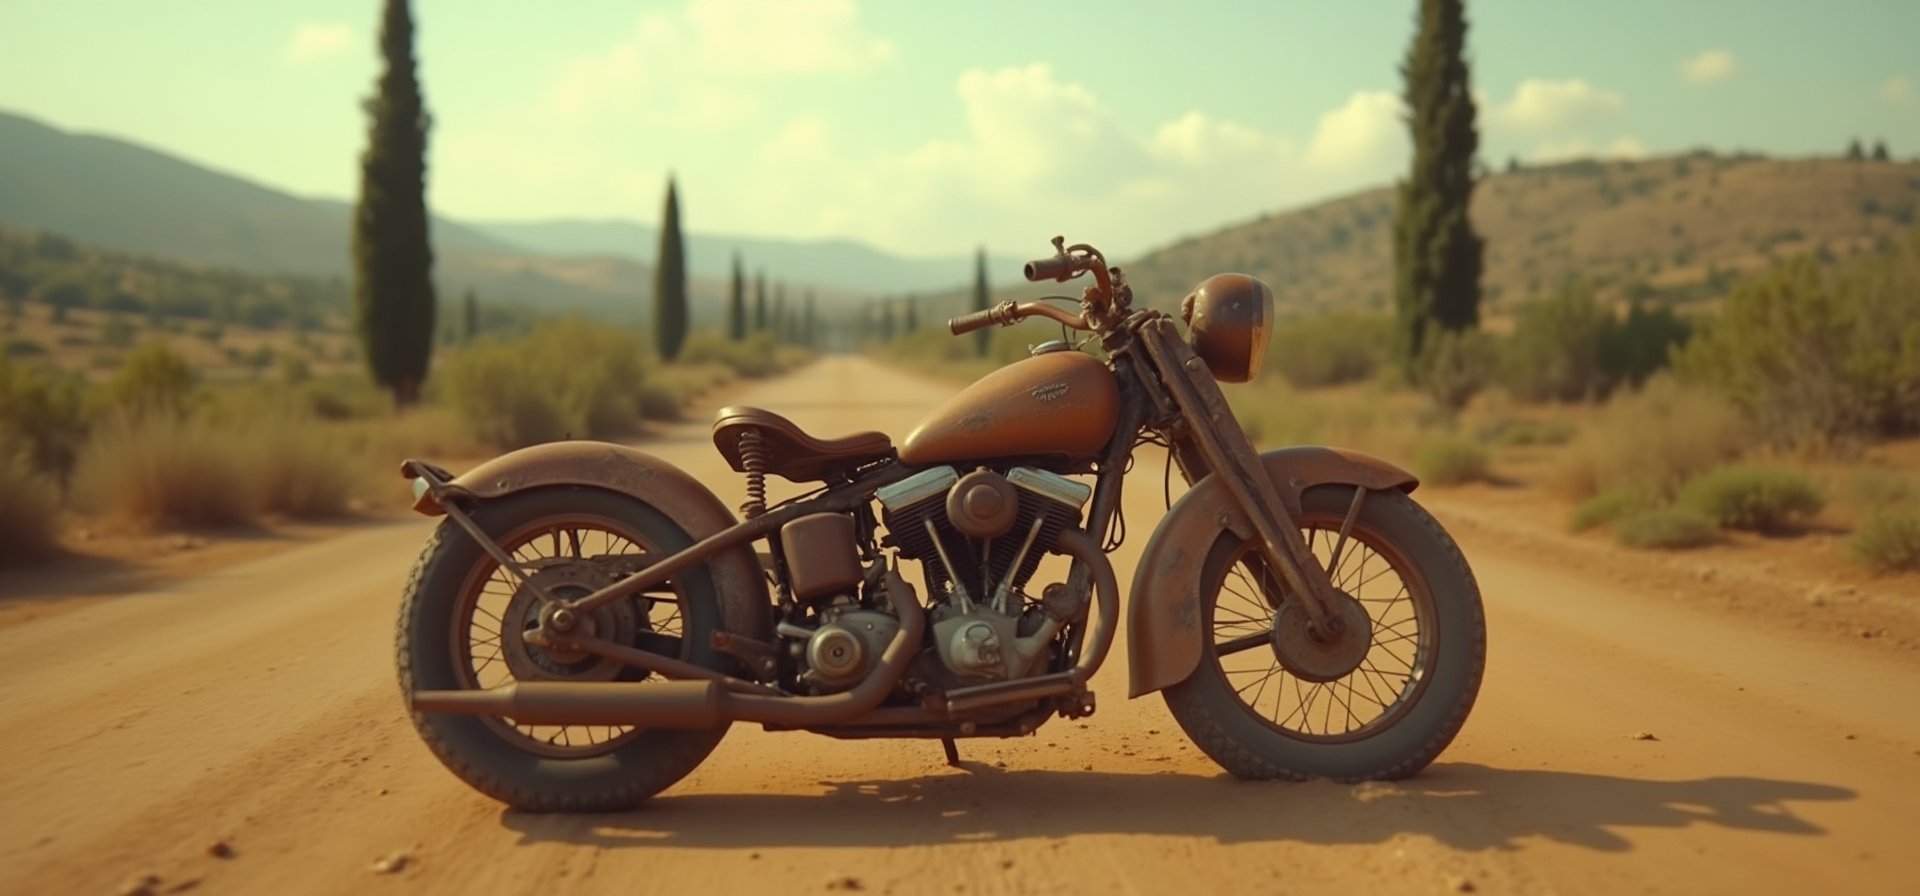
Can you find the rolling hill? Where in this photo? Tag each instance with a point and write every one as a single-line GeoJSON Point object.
{"type": "Point", "coordinates": [1678, 229]}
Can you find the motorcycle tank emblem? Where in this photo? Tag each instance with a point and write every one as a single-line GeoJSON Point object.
{"type": "Point", "coordinates": [1050, 391]}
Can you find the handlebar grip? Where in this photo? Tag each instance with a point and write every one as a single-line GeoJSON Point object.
{"type": "Point", "coordinates": [968, 323]}
{"type": "Point", "coordinates": [1058, 268]}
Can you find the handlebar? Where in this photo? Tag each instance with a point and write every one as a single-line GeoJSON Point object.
{"type": "Point", "coordinates": [1059, 268]}
{"type": "Point", "coordinates": [1009, 313]}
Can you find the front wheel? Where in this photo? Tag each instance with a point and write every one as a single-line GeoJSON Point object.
{"type": "Point", "coordinates": [1379, 703]}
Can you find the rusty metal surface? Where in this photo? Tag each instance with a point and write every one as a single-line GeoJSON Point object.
{"type": "Point", "coordinates": [791, 451]}
{"type": "Point", "coordinates": [744, 604]}
{"type": "Point", "coordinates": [1212, 427]}
{"type": "Point", "coordinates": [1163, 622]}
{"type": "Point", "coordinates": [822, 559]}
{"type": "Point", "coordinates": [1060, 403]}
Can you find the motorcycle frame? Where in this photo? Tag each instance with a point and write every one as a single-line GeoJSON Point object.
{"type": "Point", "coordinates": [1163, 386]}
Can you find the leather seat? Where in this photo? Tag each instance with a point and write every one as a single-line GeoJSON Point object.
{"type": "Point", "coordinates": [790, 451]}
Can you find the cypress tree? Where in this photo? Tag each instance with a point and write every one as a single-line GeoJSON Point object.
{"type": "Point", "coordinates": [982, 339]}
{"type": "Point", "coordinates": [1854, 152]}
{"type": "Point", "coordinates": [737, 303]}
{"type": "Point", "coordinates": [886, 320]}
{"type": "Point", "coordinates": [1437, 256]}
{"type": "Point", "coordinates": [1880, 151]}
{"type": "Point", "coordinates": [759, 301]}
{"type": "Point", "coordinates": [393, 295]}
{"type": "Point", "coordinates": [670, 282]}
{"type": "Point", "coordinates": [809, 332]}
{"type": "Point", "coordinates": [471, 307]}
{"type": "Point", "coordinates": [913, 316]}
{"type": "Point", "coordinates": [779, 312]}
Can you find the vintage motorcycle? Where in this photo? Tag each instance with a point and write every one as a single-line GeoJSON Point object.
{"type": "Point", "coordinates": [587, 620]}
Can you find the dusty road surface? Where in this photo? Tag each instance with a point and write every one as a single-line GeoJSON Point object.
{"type": "Point", "coordinates": [257, 707]}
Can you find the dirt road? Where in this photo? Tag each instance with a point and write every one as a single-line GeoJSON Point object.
{"type": "Point", "coordinates": [257, 707]}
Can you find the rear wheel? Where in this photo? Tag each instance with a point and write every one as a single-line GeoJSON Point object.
{"type": "Point", "coordinates": [462, 622]}
{"type": "Point", "coordinates": [1269, 701]}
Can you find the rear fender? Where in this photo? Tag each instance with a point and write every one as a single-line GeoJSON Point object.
{"type": "Point", "coordinates": [745, 607]}
{"type": "Point", "coordinates": [1163, 625]}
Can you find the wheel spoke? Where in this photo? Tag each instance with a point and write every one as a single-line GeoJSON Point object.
{"type": "Point", "coordinates": [1244, 642]}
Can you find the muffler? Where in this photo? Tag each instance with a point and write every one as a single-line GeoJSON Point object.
{"type": "Point", "coordinates": [690, 703]}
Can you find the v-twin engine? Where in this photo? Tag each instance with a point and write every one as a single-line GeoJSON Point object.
{"type": "Point", "coordinates": [979, 538]}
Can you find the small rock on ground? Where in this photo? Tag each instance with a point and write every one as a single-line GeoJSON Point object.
{"type": "Point", "coordinates": [1645, 735]}
{"type": "Point", "coordinates": [392, 863]}
{"type": "Point", "coordinates": [846, 882]}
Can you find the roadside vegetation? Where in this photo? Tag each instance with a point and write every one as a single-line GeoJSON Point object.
{"type": "Point", "coordinates": [1663, 427]}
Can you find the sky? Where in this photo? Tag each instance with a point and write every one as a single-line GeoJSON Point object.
{"type": "Point", "coordinates": [927, 128]}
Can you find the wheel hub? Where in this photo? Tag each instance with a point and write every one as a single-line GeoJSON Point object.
{"type": "Point", "coordinates": [528, 613]}
{"type": "Point", "coordinates": [1327, 656]}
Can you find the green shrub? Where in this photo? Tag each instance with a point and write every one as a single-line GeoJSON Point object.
{"type": "Point", "coordinates": [1665, 528]}
{"type": "Point", "coordinates": [46, 413]}
{"type": "Point", "coordinates": [1603, 509]}
{"type": "Point", "coordinates": [570, 378]}
{"type": "Point", "coordinates": [1633, 349]}
{"type": "Point", "coordinates": [1329, 350]}
{"type": "Point", "coordinates": [1888, 540]}
{"type": "Point", "coordinates": [1554, 352]}
{"type": "Point", "coordinates": [153, 379]}
{"type": "Point", "coordinates": [1518, 433]}
{"type": "Point", "coordinates": [1450, 460]}
{"type": "Point", "coordinates": [24, 348]}
{"type": "Point", "coordinates": [116, 333]}
{"type": "Point", "coordinates": [659, 401]}
{"type": "Point", "coordinates": [1652, 441]}
{"type": "Point", "coordinates": [1455, 366]}
{"type": "Point", "coordinates": [1761, 499]}
{"type": "Point", "coordinates": [1813, 355]}
{"type": "Point", "coordinates": [29, 507]}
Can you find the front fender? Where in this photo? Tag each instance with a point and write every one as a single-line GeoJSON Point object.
{"type": "Point", "coordinates": [744, 604]}
{"type": "Point", "coordinates": [1163, 621]}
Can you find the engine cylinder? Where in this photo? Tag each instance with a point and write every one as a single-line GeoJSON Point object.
{"type": "Point", "coordinates": [983, 504]}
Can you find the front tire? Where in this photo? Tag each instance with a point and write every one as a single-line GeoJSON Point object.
{"type": "Point", "coordinates": [608, 770]}
{"type": "Point", "coordinates": [1378, 721]}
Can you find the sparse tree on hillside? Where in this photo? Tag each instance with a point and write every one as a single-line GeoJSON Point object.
{"type": "Point", "coordinates": [670, 281]}
{"type": "Point", "coordinates": [393, 258]}
{"type": "Point", "coordinates": [759, 300]}
{"type": "Point", "coordinates": [1854, 152]}
{"type": "Point", "coordinates": [982, 299]}
{"type": "Point", "coordinates": [1513, 164]}
{"type": "Point", "coordinates": [1437, 255]}
{"type": "Point", "coordinates": [809, 329]}
{"type": "Point", "coordinates": [1880, 151]}
{"type": "Point", "coordinates": [737, 303]}
{"type": "Point", "coordinates": [471, 308]}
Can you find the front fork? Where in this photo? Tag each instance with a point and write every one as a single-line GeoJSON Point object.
{"type": "Point", "coordinates": [1222, 448]}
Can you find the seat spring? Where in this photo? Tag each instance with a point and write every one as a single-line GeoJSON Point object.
{"type": "Point", "coordinates": [753, 460]}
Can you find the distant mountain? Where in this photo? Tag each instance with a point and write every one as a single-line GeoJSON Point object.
{"type": "Point", "coordinates": [834, 264]}
{"type": "Point", "coordinates": [114, 194]}
{"type": "Point", "coordinates": [120, 195]}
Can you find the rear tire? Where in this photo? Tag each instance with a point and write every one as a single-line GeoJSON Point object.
{"type": "Point", "coordinates": [1414, 725]}
{"type": "Point", "coordinates": [482, 751]}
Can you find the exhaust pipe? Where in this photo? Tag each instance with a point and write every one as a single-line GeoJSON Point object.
{"type": "Point", "coordinates": [691, 703]}
{"type": "Point", "coordinates": [1076, 543]}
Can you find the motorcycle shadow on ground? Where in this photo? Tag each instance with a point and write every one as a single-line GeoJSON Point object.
{"type": "Point", "coordinates": [1463, 805]}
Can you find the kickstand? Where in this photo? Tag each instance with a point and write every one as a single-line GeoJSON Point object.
{"type": "Point", "coordinates": [953, 752]}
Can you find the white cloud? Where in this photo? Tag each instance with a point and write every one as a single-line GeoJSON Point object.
{"type": "Point", "coordinates": [315, 41]}
{"type": "Point", "coordinates": [1041, 155]}
{"type": "Point", "coordinates": [1580, 148]}
{"type": "Point", "coordinates": [718, 45]}
{"type": "Point", "coordinates": [1359, 134]}
{"type": "Point", "coordinates": [1708, 67]}
{"type": "Point", "coordinates": [1541, 106]}
{"type": "Point", "coordinates": [1898, 90]}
